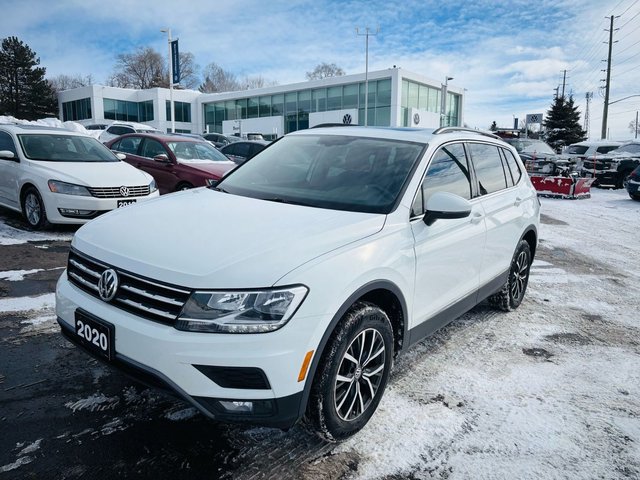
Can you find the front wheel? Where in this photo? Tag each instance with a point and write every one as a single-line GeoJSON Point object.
{"type": "Point", "coordinates": [352, 373]}
{"type": "Point", "coordinates": [510, 296]}
{"type": "Point", "coordinates": [33, 209]}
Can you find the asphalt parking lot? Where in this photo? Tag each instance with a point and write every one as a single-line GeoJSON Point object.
{"type": "Point", "coordinates": [548, 391]}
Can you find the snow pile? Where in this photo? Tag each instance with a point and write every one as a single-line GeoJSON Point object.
{"type": "Point", "coordinates": [50, 122]}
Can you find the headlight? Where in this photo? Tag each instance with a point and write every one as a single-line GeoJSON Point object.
{"type": "Point", "coordinates": [152, 186]}
{"type": "Point", "coordinates": [255, 311]}
{"type": "Point", "coordinates": [68, 188]}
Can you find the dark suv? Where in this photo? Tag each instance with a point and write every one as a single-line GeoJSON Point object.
{"type": "Point", "coordinates": [612, 170]}
{"type": "Point", "coordinates": [175, 162]}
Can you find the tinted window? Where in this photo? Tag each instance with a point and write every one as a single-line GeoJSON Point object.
{"type": "Point", "coordinates": [151, 148]}
{"type": "Point", "coordinates": [6, 143]}
{"type": "Point", "coordinates": [127, 145]}
{"type": "Point", "coordinates": [255, 148]}
{"type": "Point", "coordinates": [513, 166]}
{"type": "Point", "coordinates": [488, 167]}
{"type": "Point", "coordinates": [328, 171]}
{"type": "Point", "coordinates": [577, 149]}
{"type": "Point", "coordinates": [448, 172]}
{"type": "Point", "coordinates": [606, 149]}
{"type": "Point", "coordinates": [119, 130]}
{"type": "Point", "coordinates": [241, 149]}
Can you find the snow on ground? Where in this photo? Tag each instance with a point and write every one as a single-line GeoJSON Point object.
{"type": "Point", "coordinates": [14, 236]}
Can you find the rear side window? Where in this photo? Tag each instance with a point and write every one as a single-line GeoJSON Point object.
{"type": "Point", "coordinates": [577, 149]}
{"type": "Point", "coordinates": [488, 167]}
{"type": "Point", "coordinates": [151, 148]}
{"type": "Point", "coordinates": [512, 166]}
{"type": "Point", "coordinates": [606, 149]}
{"type": "Point", "coordinates": [447, 172]}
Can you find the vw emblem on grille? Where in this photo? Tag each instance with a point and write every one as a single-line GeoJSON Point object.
{"type": "Point", "coordinates": [108, 285]}
{"type": "Point", "coordinates": [124, 191]}
{"type": "Point", "coordinates": [346, 119]}
{"type": "Point", "coordinates": [416, 119]}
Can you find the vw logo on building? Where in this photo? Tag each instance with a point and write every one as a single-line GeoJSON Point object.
{"type": "Point", "coordinates": [124, 191]}
{"type": "Point", "coordinates": [108, 285]}
{"type": "Point", "coordinates": [416, 119]}
{"type": "Point", "coordinates": [347, 119]}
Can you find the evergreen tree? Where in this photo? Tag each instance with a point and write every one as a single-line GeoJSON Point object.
{"type": "Point", "coordinates": [493, 126]}
{"type": "Point", "coordinates": [24, 92]}
{"type": "Point", "coordinates": [562, 123]}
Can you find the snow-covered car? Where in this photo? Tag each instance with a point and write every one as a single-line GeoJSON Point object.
{"type": "Point", "coordinates": [121, 128]}
{"type": "Point", "coordinates": [590, 149]}
{"type": "Point", "coordinates": [53, 175]}
{"type": "Point", "coordinates": [305, 271]}
{"type": "Point", "coordinates": [611, 170]}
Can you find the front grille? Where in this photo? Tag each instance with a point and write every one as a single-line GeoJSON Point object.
{"type": "Point", "coordinates": [115, 192]}
{"type": "Point", "coordinates": [145, 298]}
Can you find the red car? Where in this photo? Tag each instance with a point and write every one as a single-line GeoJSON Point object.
{"type": "Point", "coordinates": [175, 162]}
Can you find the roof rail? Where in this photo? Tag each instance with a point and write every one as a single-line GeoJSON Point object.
{"type": "Point", "coordinates": [328, 125]}
{"type": "Point", "coordinates": [465, 129]}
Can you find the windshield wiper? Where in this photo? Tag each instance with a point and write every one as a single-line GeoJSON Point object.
{"type": "Point", "coordinates": [284, 200]}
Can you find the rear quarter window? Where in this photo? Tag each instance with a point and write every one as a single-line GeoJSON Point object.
{"type": "Point", "coordinates": [488, 167]}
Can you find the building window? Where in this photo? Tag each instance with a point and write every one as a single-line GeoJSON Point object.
{"type": "Point", "coordinates": [76, 110]}
{"type": "Point", "coordinates": [183, 111]}
{"type": "Point", "coordinates": [128, 111]}
{"type": "Point", "coordinates": [319, 100]}
{"type": "Point", "coordinates": [265, 106]}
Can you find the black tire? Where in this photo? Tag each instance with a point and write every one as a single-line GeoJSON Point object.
{"type": "Point", "coordinates": [624, 178]}
{"type": "Point", "coordinates": [338, 407]}
{"type": "Point", "coordinates": [634, 197]}
{"type": "Point", "coordinates": [33, 209]}
{"type": "Point", "coordinates": [183, 186]}
{"type": "Point", "coordinates": [510, 296]}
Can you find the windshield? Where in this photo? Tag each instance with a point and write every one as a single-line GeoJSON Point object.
{"type": "Point", "coordinates": [577, 149]}
{"type": "Point", "coordinates": [64, 148]}
{"type": "Point", "coordinates": [336, 172]}
{"type": "Point", "coordinates": [629, 148]}
{"type": "Point", "coordinates": [196, 152]}
{"type": "Point", "coordinates": [524, 145]}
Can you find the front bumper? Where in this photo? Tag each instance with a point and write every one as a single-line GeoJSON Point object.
{"type": "Point", "coordinates": [62, 208]}
{"type": "Point", "coordinates": [183, 362]}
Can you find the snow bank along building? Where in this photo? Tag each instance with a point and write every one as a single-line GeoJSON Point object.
{"type": "Point", "coordinates": [396, 98]}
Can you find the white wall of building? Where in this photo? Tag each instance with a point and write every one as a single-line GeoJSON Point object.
{"type": "Point", "coordinates": [264, 125]}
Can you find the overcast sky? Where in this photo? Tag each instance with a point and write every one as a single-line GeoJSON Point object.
{"type": "Point", "coordinates": [509, 55]}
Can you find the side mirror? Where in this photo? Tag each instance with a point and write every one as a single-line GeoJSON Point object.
{"type": "Point", "coordinates": [121, 156]}
{"type": "Point", "coordinates": [446, 205]}
{"type": "Point", "coordinates": [7, 155]}
{"type": "Point", "coordinates": [162, 158]}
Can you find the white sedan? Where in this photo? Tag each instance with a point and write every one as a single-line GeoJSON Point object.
{"type": "Point", "coordinates": [55, 176]}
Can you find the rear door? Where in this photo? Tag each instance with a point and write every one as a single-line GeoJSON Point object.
{"type": "Point", "coordinates": [502, 201]}
{"type": "Point", "coordinates": [448, 252]}
{"type": "Point", "coordinates": [163, 172]}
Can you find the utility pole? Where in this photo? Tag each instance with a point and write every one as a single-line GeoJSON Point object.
{"type": "Point", "coordinates": [605, 112]}
{"type": "Point", "coordinates": [367, 34]}
{"type": "Point", "coordinates": [564, 80]}
{"type": "Point", "coordinates": [588, 96]}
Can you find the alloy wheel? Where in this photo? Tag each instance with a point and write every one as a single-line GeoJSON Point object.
{"type": "Point", "coordinates": [33, 209]}
{"type": "Point", "coordinates": [520, 276]}
{"type": "Point", "coordinates": [359, 375]}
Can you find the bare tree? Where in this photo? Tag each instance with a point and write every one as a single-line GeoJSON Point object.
{"type": "Point", "coordinates": [66, 82]}
{"type": "Point", "coordinates": [142, 69]}
{"type": "Point", "coordinates": [217, 79]}
{"type": "Point", "coordinates": [189, 77]}
{"type": "Point", "coordinates": [257, 82]}
{"type": "Point", "coordinates": [325, 70]}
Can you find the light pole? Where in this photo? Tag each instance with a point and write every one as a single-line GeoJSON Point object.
{"type": "Point", "coordinates": [443, 100]}
{"type": "Point", "coordinates": [173, 113]}
{"type": "Point", "coordinates": [366, 69]}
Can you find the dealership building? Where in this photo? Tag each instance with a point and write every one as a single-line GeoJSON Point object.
{"type": "Point", "coordinates": [396, 98]}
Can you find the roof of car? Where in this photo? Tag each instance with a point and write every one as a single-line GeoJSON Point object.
{"type": "Point", "coordinates": [164, 137]}
{"type": "Point", "coordinates": [421, 135]}
{"type": "Point", "coordinates": [19, 128]}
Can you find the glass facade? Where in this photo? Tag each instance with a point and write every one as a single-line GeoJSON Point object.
{"type": "Point", "coordinates": [296, 106]}
{"type": "Point", "coordinates": [425, 97]}
{"type": "Point", "coordinates": [76, 110]}
{"type": "Point", "coordinates": [128, 111]}
{"type": "Point", "coordinates": [183, 111]}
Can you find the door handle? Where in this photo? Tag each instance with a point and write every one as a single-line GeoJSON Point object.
{"type": "Point", "coordinates": [477, 218]}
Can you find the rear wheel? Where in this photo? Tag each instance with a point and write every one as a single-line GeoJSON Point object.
{"type": "Point", "coordinates": [352, 373]}
{"type": "Point", "coordinates": [510, 296]}
{"type": "Point", "coordinates": [33, 209]}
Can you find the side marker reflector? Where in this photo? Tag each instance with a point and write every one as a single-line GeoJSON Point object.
{"type": "Point", "coordinates": [305, 366]}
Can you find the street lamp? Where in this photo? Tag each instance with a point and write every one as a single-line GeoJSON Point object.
{"type": "Point", "coordinates": [443, 100]}
{"type": "Point", "coordinates": [172, 111]}
{"type": "Point", "coordinates": [366, 69]}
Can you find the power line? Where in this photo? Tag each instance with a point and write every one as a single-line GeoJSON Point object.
{"type": "Point", "coordinates": [629, 46]}
{"type": "Point", "coordinates": [627, 71]}
{"type": "Point", "coordinates": [629, 20]}
{"type": "Point", "coordinates": [628, 8]}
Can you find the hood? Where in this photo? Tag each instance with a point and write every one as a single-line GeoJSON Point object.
{"type": "Point", "coordinates": [202, 238]}
{"type": "Point", "coordinates": [93, 174]}
{"type": "Point", "coordinates": [217, 169]}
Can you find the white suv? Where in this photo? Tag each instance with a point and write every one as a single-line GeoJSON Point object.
{"type": "Point", "coordinates": [53, 175]}
{"type": "Point", "coordinates": [287, 290]}
{"type": "Point", "coordinates": [119, 128]}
